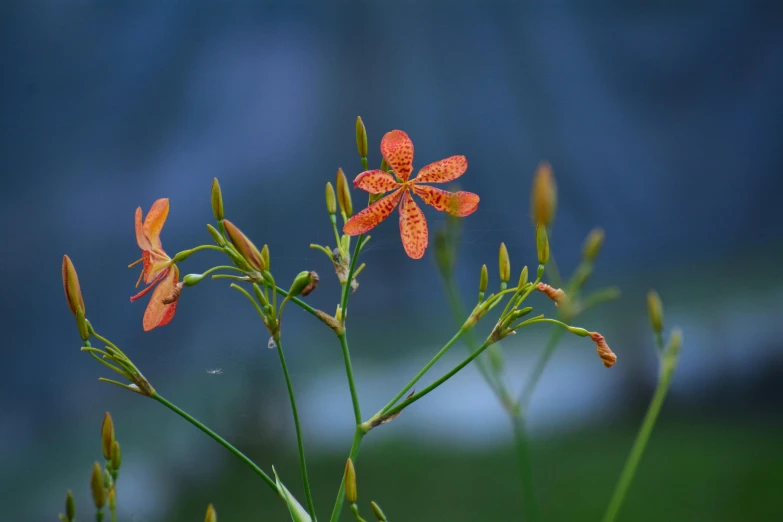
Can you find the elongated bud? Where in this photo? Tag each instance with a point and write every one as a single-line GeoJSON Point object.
{"type": "Point", "coordinates": [542, 244]}
{"type": "Point", "coordinates": [81, 324]}
{"type": "Point", "coordinates": [655, 311]}
{"type": "Point", "coordinates": [304, 283]}
{"type": "Point", "coordinates": [331, 203]}
{"type": "Point", "coordinates": [70, 506]}
{"type": "Point", "coordinates": [483, 279]}
{"type": "Point", "coordinates": [211, 514]}
{"type": "Point", "coordinates": [73, 292]}
{"type": "Point", "coordinates": [107, 435]}
{"type": "Point", "coordinates": [361, 137]}
{"type": "Point", "coordinates": [216, 237]}
{"type": "Point", "coordinates": [111, 499]}
{"type": "Point", "coordinates": [96, 486]}
{"type": "Point", "coordinates": [522, 312]}
{"type": "Point", "coordinates": [384, 165]}
{"type": "Point", "coordinates": [593, 243]}
{"type": "Point", "coordinates": [244, 246]}
{"type": "Point", "coordinates": [675, 342]}
{"type": "Point", "coordinates": [192, 279]}
{"type": "Point", "coordinates": [344, 194]}
{"type": "Point", "coordinates": [523, 278]}
{"type": "Point", "coordinates": [217, 200]}
{"type": "Point", "coordinates": [543, 199]}
{"type": "Point", "coordinates": [265, 257]}
{"type": "Point", "coordinates": [376, 509]}
{"type": "Point", "coordinates": [504, 263]}
{"type": "Point", "coordinates": [604, 352]}
{"type": "Point", "coordinates": [116, 456]}
{"type": "Point", "coordinates": [350, 482]}
{"type": "Point", "coordinates": [555, 294]}
{"type": "Point", "coordinates": [581, 332]}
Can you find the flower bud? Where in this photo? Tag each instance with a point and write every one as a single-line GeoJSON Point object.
{"type": "Point", "coordinates": [331, 203]}
{"type": "Point", "coordinates": [483, 279]}
{"type": "Point", "coordinates": [581, 332]}
{"type": "Point", "coordinates": [265, 257]}
{"type": "Point", "coordinates": [216, 237]}
{"type": "Point", "coordinates": [344, 194]}
{"type": "Point", "coordinates": [523, 278]}
{"type": "Point", "coordinates": [217, 200]}
{"type": "Point", "coordinates": [655, 311]}
{"type": "Point", "coordinates": [73, 292]}
{"type": "Point", "coordinates": [675, 342]}
{"type": "Point", "coordinates": [593, 243]}
{"type": "Point", "coordinates": [384, 165]}
{"type": "Point", "coordinates": [376, 509]}
{"type": "Point", "coordinates": [361, 137]}
{"type": "Point", "coordinates": [70, 506]}
{"type": "Point", "coordinates": [81, 324]}
{"type": "Point", "coordinates": [116, 456]}
{"type": "Point", "coordinates": [211, 514]}
{"type": "Point", "coordinates": [111, 499]}
{"type": "Point", "coordinates": [192, 279]}
{"type": "Point", "coordinates": [96, 486]}
{"type": "Point", "coordinates": [107, 435]}
{"type": "Point", "coordinates": [542, 244]}
{"type": "Point", "coordinates": [504, 263]}
{"type": "Point", "coordinates": [244, 246]}
{"type": "Point", "coordinates": [304, 283]}
{"type": "Point", "coordinates": [543, 199]}
{"type": "Point", "coordinates": [350, 482]}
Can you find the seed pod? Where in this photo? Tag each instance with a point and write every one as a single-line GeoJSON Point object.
{"type": "Point", "coordinates": [655, 311]}
{"type": "Point", "coordinates": [192, 279]}
{"type": "Point", "coordinates": [361, 137]}
{"type": "Point", "coordinates": [350, 482]}
{"type": "Point", "coordinates": [96, 486]}
{"type": "Point", "coordinates": [304, 283]}
{"type": "Point", "coordinates": [217, 200]}
{"type": "Point", "coordinates": [331, 203]}
{"type": "Point", "coordinates": [504, 263]}
{"type": "Point", "coordinates": [542, 244]}
{"type": "Point", "coordinates": [107, 435]}
{"type": "Point", "coordinates": [344, 194]}
{"type": "Point", "coordinates": [244, 246]}
{"type": "Point", "coordinates": [543, 199]}
{"type": "Point", "coordinates": [593, 243]}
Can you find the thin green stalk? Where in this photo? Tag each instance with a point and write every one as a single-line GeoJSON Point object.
{"type": "Point", "coordinates": [304, 306]}
{"type": "Point", "coordinates": [349, 279]}
{"type": "Point", "coordinates": [299, 442]}
{"type": "Point", "coordinates": [440, 381]}
{"type": "Point", "coordinates": [668, 364]}
{"type": "Point", "coordinates": [113, 512]}
{"type": "Point", "coordinates": [424, 370]}
{"type": "Point", "coordinates": [353, 455]}
{"type": "Point", "coordinates": [220, 440]}
{"type": "Point", "coordinates": [543, 359]}
{"type": "Point", "coordinates": [357, 413]}
{"type": "Point", "coordinates": [522, 443]}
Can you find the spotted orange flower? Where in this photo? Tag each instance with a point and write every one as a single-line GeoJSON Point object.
{"type": "Point", "coordinates": [397, 150]}
{"type": "Point", "coordinates": [159, 271]}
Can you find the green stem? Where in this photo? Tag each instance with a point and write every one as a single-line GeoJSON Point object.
{"type": "Point", "coordinates": [304, 306]}
{"type": "Point", "coordinates": [299, 442]}
{"type": "Point", "coordinates": [349, 279]}
{"type": "Point", "coordinates": [440, 381]}
{"type": "Point", "coordinates": [668, 364]}
{"type": "Point", "coordinates": [423, 370]}
{"type": "Point", "coordinates": [353, 455]}
{"type": "Point", "coordinates": [543, 359]}
{"type": "Point", "coordinates": [99, 515]}
{"type": "Point", "coordinates": [357, 413]}
{"type": "Point", "coordinates": [220, 440]}
{"type": "Point", "coordinates": [113, 511]}
{"type": "Point", "coordinates": [522, 443]}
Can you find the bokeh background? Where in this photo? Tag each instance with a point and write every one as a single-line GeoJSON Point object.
{"type": "Point", "coordinates": [663, 125]}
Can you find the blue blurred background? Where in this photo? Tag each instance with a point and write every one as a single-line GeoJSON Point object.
{"type": "Point", "coordinates": [663, 126]}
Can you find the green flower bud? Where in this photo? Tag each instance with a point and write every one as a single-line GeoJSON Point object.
{"type": "Point", "coordinates": [344, 194]}
{"type": "Point", "coordinates": [675, 342]}
{"type": "Point", "coordinates": [384, 165]}
{"type": "Point", "coordinates": [111, 499]}
{"type": "Point", "coordinates": [504, 263]}
{"type": "Point", "coordinates": [116, 456]}
{"type": "Point", "coordinates": [542, 244]}
{"type": "Point", "coordinates": [581, 332]}
{"type": "Point", "coordinates": [81, 324]}
{"type": "Point", "coordinates": [192, 279]}
{"type": "Point", "coordinates": [107, 435]}
{"type": "Point", "coordinates": [216, 237]}
{"type": "Point", "coordinates": [483, 279]}
{"type": "Point", "coordinates": [523, 278]}
{"type": "Point", "coordinates": [543, 199]}
{"type": "Point", "coordinates": [96, 486]}
{"type": "Point", "coordinates": [350, 482]}
{"type": "Point", "coordinates": [70, 507]}
{"type": "Point", "coordinates": [244, 246]}
{"type": "Point", "coordinates": [593, 243]}
{"type": "Point", "coordinates": [361, 137]}
{"type": "Point", "coordinates": [655, 311]}
{"type": "Point", "coordinates": [217, 200]}
{"type": "Point", "coordinates": [376, 509]}
{"type": "Point", "coordinates": [73, 292]}
{"type": "Point", "coordinates": [331, 203]}
{"type": "Point", "coordinates": [265, 257]}
{"type": "Point", "coordinates": [211, 514]}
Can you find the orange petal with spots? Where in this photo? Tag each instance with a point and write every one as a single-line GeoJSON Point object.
{"type": "Point", "coordinates": [413, 228]}
{"type": "Point", "coordinates": [157, 313]}
{"type": "Point", "coordinates": [444, 170]}
{"type": "Point", "coordinates": [455, 203]}
{"type": "Point", "coordinates": [397, 149]}
{"type": "Point", "coordinates": [154, 222]}
{"type": "Point", "coordinates": [375, 182]}
{"type": "Point", "coordinates": [368, 218]}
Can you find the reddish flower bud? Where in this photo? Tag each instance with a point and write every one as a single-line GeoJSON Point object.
{"type": "Point", "coordinates": [73, 292]}
{"type": "Point", "coordinates": [217, 200]}
{"type": "Point", "coordinates": [543, 199]}
{"type": "Point", "coordinates": [244, 246]}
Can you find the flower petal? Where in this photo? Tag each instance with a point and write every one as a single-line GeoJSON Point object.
{"type": "Point", "coordinates": [455, 203]}
{"type": "Point", "coordinates": [154, 221]}
{"type": "Point", "coordinates": [444, 170]}
{"type": "Point", "coordinates": [158, 313]}
{"type": "Point", "coordinates": [413, 228]}
{"type": "Point", "coordinates": [368, 218]}
{"type": "Point", "coordinates": [375, 181]}
{"type": "Point", "coordinates": [397, 149]}
{"type": "Point", "coordinates": [141, 239]}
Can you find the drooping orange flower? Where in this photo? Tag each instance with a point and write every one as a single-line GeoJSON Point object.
{"type": "Point", "coordinates": [159, 271]}
{"type": "Point", "coordinates": [397, 150]}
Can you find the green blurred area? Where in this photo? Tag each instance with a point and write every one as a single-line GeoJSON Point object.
{"type": "Point", "coordinates": [691, 472]}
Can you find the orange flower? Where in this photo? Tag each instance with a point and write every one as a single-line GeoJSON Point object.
{"type": "Point", "coordinates": [397, 149]}
{"type": "Point", "coordinates": [158, 271]}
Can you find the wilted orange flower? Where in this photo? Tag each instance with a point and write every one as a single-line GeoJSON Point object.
{"type": "Point", "coordinates": [397, 150]}
{"type": "Point", "coordinates": [158, 269]}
